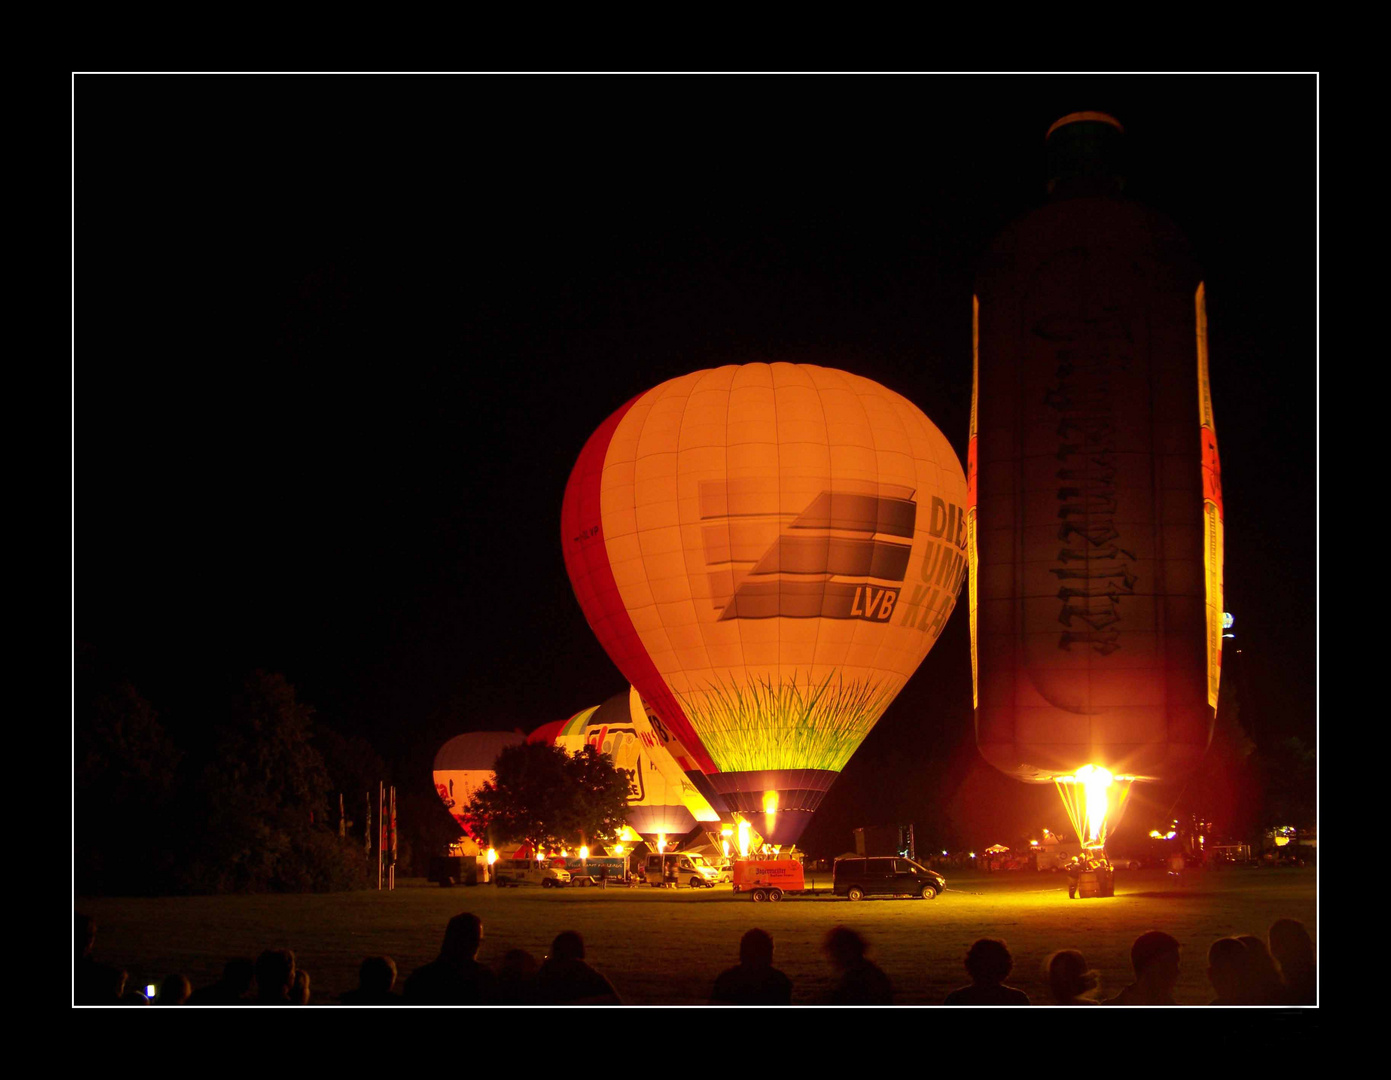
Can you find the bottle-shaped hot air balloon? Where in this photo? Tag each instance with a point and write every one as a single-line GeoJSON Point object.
{"type": "Point", "coordinates": [767, 552]}
{"type": "Point", "coordinates": [1096, 507]}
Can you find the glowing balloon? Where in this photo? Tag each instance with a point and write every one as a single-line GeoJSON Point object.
{"type": "Point", "coordinates": [767, 553]}
{"type": "Point", "coordinates": [663, 799]}
{"type": "Point", "coordinates": [464, 764]}
{"type": "Point", "coordinates": [1096, 510]}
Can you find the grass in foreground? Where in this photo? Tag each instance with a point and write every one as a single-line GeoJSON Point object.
{"type": "Point", "coordinates": [660, 947]}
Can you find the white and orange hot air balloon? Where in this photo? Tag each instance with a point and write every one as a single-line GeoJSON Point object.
{"type": "Point", "coordinates": [663, 800]}
{"type": "Point", "coordinates": [464, 764]}
{"type": "Point", "coordinates": [767, 552]}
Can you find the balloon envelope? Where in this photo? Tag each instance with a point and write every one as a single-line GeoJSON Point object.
{"type": "Point", "coordinates": [1096, 531]}
{"type": "Point", "coordinates": [663, 801]}
{"type": "Point", "coordinates": [464, 764]}
{"type": "Point", "coordinates": [767, 552]}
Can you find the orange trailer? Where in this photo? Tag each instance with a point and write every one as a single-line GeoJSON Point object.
{"type": "Point", "coordinates": [768, 879]}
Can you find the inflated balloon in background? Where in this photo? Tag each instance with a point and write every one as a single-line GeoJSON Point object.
{"type": "Point", "coordinates": [663, 801]}
{"type": "Point", "coordinates": [464, 764]}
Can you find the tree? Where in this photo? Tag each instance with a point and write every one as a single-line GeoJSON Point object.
{"type": "Point", "coordinates": [124, 785]}
{"type": "Point", "coordinates": [1290, 773]}
{"type": "Point", "coordinates": [551, 799]}
{"type": "Point", "coordinates": [267, 822]}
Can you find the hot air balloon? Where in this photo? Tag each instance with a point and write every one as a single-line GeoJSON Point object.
{"type": "Point", "coordinates": [664, 802]}
{"type": "Point", "coordinates": [464, 764]}
{"type": "Point", "coordinates": [767, 552]}
{"type": "Point", "coordinates": [1095, 520]}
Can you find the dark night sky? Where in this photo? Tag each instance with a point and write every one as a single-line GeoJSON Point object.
{"type": "Point", "coordinates": [340, 340]}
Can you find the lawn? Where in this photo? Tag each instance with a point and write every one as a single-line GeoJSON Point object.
{"type": "Point", "coordinates": [660, 947]}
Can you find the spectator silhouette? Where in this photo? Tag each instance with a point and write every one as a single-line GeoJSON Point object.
{"type": "Point", "coordinates": [1229, 972]}
{"type": "Point", "coordinates": [754, 981]}
{"type": "Point", "coordinates": [988, 962]}
{"type": "Point", "coordinates": [275, 977]}
{"type": "Point", "coordinates": [299, 988]}
{"type": "Point", "coordinates": [1154, 956]}
{"type": "Point", "coordinates": [1293, 950]}
{"type": "Point", "coordinates": [565, 979]}
{"type": "Point", "coordinates": [516, 978]}
{"type": "Point", "coordinates": [234, 988]}
{"type": "Point", "coordinates": [861, 981]}
{"type": "Point", "coordinates": [1265, 986]}
{"type": "Point", "coordinates": [174, 990]}
{"type": "Point", "coordinates": [375, 977]}
{"type": "Point", "coordinates": [92, 983]}
{"type": "Point", "coordinates": [1069, 979]}
{"type": "Point", "coordinates": [455, 977]}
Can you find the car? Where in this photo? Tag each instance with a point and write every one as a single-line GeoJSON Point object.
{"type": "Point", "coordinates": [858, 878]}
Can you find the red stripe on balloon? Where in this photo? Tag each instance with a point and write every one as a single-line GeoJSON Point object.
{"type": "Point", "coordinates": [591, 576]}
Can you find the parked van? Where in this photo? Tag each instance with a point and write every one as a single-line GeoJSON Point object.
{"type": "Point", "coordinates": [529, 872]}
{"type": "Point", "coordinates": [858, 878]}
{"type": "Point", "coordinates": [691, 869]}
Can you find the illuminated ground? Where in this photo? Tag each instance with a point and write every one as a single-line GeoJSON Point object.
{"type": "Point", "coordinates": [666, 948]}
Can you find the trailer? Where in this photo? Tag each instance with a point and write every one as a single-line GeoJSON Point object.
{"type": "Point", "coordinates": [768, 879]}
{"type": "Point", "coordinates": [450, 870]}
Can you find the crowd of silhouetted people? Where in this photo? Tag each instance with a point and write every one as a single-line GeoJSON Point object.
{"type": "Point", "coordinates": [1243, 970]}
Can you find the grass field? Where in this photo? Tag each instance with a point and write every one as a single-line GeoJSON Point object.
{"type": "Point", "coordinates": [660, 947]}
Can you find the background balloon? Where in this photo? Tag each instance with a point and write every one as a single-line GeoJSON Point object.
{"type": "Point", "coordinates": [664, 801]}
{"type": "Point", "coordinates": [464, 764]}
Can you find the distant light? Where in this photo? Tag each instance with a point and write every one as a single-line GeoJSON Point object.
{"type": "Point", "coordinates": [492, 856]}
{"type": "Point", "coordinates": [584, 852]}
{"type": "Point", "coordinates": [1227, 620]}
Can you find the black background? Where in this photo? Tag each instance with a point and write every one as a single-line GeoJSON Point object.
{"type": "Point", "coordinates": [339, 341]}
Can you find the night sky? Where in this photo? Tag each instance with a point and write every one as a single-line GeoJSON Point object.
{"type": "Point", "coordinates": [339, 341]}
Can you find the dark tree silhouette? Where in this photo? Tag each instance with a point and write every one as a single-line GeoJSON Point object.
{"type": "Point", "coordinates": [269, 822]}
{"type": "Point", "coordinates": [549, 798]}
{"type": "Point", "coordinates": [124, 782]}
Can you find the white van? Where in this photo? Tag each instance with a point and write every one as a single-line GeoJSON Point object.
{"type": "Point", "coordinates": [691, 869]}
{"type": "Point", "coordinates": [529, 872]}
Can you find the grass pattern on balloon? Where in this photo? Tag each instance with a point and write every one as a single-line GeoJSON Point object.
{"type": "Point", "coordinates": [792, 724]}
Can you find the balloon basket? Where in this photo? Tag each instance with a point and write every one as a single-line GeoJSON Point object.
{"type": "Point", "coordinates": [1097, 883]}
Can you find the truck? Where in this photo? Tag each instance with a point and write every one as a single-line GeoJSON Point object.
{"type": "Point", "coordinates": [689, 868]}
{"type": "Point", "coordinates": [768, 879]}
{"type": "Point", "coordinates": [592, 870]}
